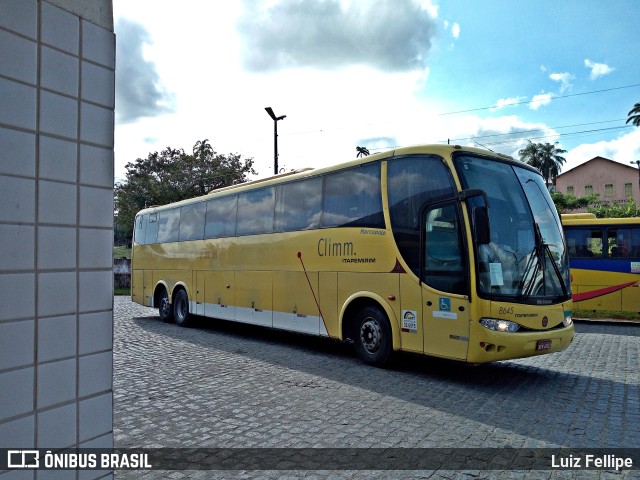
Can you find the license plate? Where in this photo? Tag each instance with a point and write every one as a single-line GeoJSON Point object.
{"type": "Point", "coordinates": [543, 345]}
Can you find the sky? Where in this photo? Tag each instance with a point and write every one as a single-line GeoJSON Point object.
{"type": "Point", "coordinates": [377, 74]}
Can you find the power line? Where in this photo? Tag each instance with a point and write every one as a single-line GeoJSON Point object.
{"type": "Point", "coordinates": [535, 130]}
{"type": "Point", "coordinates": [553, 97]}
{"type": "Point", "coordinates": [516, 140]}
{"type": "Point", "coordinates": [565, 135]}
{"type": "Point", "coordinates": [561, 135]}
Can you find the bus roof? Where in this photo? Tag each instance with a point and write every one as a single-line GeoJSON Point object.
{"type": "Point", "coordinates": [589, 219]}
{"type": "Point", "coordinates": [578, 216]}
{"type": "Point", "coordinates": [444, 151]}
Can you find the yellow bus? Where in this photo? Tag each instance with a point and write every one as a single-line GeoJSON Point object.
{"type": "Point", "coordinates": [604, 257]}
{"type": "Point", "coordinates": [439, 250]}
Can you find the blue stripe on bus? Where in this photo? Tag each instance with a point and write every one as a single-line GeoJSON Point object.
{"type": "Point", "coordinates": [601, 265]}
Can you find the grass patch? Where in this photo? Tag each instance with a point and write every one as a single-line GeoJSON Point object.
{"type": "Point", "coordinates": [122, 291]}
{"type": "Point", "coordinates": [607, 314]}
{"type": "Point", "coordinates": [121, 251]}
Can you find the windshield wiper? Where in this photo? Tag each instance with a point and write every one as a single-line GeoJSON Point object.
{"type": "Point", "coordinates": [534, 261]}
{"type": "Point", "coordinates": [540, 252]}
{"type": "Point", "coordinates": [548, 253]}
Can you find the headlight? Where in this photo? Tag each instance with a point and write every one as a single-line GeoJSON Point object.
{"type": "Point", "coordinates": [568, 320]}
{"type": "Point", "coordinates": [499, 325]}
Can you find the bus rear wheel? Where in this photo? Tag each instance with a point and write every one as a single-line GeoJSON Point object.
{"type": "Point", "coordinates": [181, 308]}
{"type": "Point", "coordinates": [373, 338]}
{"type": "Point", "coordinates": [164, 307]}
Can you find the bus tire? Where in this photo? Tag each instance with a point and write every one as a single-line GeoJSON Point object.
{"type": "Point", "coordinates": [373, 337]}
{"type": "Point", "coordinates": [164, 307]}
{"type": "Point", "coordinates": [181, 308]}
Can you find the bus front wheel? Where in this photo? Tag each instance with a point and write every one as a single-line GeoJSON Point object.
{"type": "Point", "coordinates": [181, 308]}
{"type": "Point", "coordinates": [373, 336]}
{"type": "Point", "coordinates": [164, 307]}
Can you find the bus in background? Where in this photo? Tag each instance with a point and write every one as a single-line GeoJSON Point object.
{"type": "Point", "coordinates": [604, 256]}
{"type": "Point", "coordinates": [439, 250]}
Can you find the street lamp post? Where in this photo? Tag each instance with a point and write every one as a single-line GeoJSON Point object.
{"type": "Point", "coordinates": [275, 137]}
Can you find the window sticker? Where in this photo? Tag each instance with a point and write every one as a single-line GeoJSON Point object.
{"type": "Point", "coordinates": [409, 321]}
{"type": "Point", "coordinates": [495, 272]}
{"type": "Point", "coordinates": [444, 305]}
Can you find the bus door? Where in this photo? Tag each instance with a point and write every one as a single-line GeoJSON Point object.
{"type": "Point", "coordinates": [444, 273]}
{"type": "Point", "coordinates": [148, 288]}
{"type": "Point", "coordinates": [198, 308]}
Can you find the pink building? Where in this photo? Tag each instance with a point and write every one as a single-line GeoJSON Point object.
{"type": "Point", "coordinates": [614, 181]}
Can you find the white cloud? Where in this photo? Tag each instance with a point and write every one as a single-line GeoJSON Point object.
{"type": "Point", "coordinates": [328, 114]}
{"type": "Point", "coordinates": [197, 53]}
{"type": "Point", "coordinates": [391, 35]}
{"type": "Point", "coordinates": [455, 30]}
{"type": "Point", "coordinates": [430, 7]}
{"type": "Point", "coordinates": [623, 149]}
{"type": "Point", "coordinates": [540, 100]}
{"type": "Point", "coordinates": [504, 134]}
{"type": "Point", "coordinates": [139, 90]}
{"type": "Point", "coordinates": [507, 102]}
{"type": "Point", "coordinates": [564, 78]}
{"type": "Point", "coordinates": [597, 69]}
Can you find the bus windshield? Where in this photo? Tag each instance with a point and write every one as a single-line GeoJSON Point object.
{"type": "Point", "coordinates": [525, 260]}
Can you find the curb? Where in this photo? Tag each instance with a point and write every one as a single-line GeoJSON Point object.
{"type": "Point", "coordinates": [608, 320]}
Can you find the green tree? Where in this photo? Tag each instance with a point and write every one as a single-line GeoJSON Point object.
{"type": "Point", "coordinates": [593, 204]}
{"type": "Point", "coordinates": [634, 115]}
{"type": "Point", "coordinates": [604, 209]}
{"type": "Point", "coordinates": [546, 157]}
{"type": "Point", "coordinates": [362, 152]}
{"type": "Point", "coordinates": [173, 175]}
{"type": "Point", "coordinates": [566, 203]}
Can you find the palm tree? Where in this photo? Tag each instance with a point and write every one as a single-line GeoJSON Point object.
{"type": "Point", "coordinates": [362, 151]}
{"type": "Point", "coordinates": [546, 157]}
{"type": "Point", "coordinates": [553, 161]}
{"type": "Point", "coordinates": [634, 115]}
{"type": "Point", "coordinates": [531, 154]}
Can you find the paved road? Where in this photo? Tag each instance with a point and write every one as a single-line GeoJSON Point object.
{"type": "Point", "coordinates": [228, 385]}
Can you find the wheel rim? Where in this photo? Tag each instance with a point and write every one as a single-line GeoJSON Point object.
{"type": "Point", "coordinates": [181, 309]}
{"type": "Point", "coordinates": [164, 306]}
{"type": "Point", "coordinates": [370, 335]}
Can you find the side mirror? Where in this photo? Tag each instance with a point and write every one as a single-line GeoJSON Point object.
{"type": "Point", "coordinates": [481, 230]}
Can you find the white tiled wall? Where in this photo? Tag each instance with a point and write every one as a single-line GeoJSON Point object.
{"type": "Point", "coordinates": [56, 226]}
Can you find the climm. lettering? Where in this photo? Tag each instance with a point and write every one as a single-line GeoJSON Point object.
{"type": "Point", "coordinates": [326, 248]}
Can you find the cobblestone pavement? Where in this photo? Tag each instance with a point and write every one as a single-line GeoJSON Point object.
{"type": "Point", "coordinates": [222, 384]}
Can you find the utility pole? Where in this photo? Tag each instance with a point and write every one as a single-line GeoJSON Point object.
{"type": "Point", "coordinates": [275, 137]}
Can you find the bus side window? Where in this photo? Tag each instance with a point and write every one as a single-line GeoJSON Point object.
{"type": "Point", "coordinates": [443, 261]}
{"type": "Point", "coordinates": [152, 228]}
{"type": "Point", "coordinates": [169, 225]}
{"type": "Point", "coordinates": [298, 205]}
{"type": "Point", "coordinates": [635, 242]}
{"type": "Point", "coordinates": [192, 221]}
{"type": "Point", "coordinates": [594, 243]}
{"type": "Point", "coordinates": [584, 242]}
{"type": "Point", "coordinates": [621, 242]}
{"type": "Point", "coordinates": [141, 226]}
{"type": "Point", "coordinates": [353, 198]}
{"type": "Point", "coordinates": [414, 181]}
{"type": "Point", "coordinates": [255, 211]}
{"type": "Point", "coordinates": [221, 217]}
